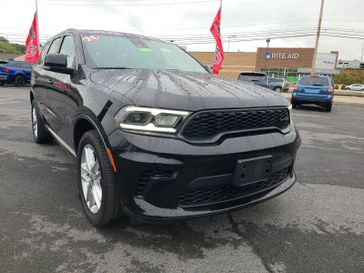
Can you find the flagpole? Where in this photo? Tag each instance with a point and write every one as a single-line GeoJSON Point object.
{"type": "Point", "coordinates": [220, 15]}
{"type": "Point", "coordinates": [36, 10]}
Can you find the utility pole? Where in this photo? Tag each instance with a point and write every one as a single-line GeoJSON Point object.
{"type": "Point", "coordinates": [317, 38]}
{"type": "Point", "coordinates": [265, 55]}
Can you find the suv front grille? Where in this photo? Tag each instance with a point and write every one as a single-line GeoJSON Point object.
{"type": "Point", "coordinates": [207, 125]}
{"type": "Point", "coordinates": [207, 195]}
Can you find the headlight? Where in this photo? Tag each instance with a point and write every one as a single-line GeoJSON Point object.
{"type": "Point", "coordinates": [149, 119]}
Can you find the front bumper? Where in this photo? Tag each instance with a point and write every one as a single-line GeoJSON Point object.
{"type": "Point", "coordinates": [169, 179]}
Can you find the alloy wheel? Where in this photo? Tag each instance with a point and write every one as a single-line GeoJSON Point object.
{"type": "Point", "coordinates": [91, 179]}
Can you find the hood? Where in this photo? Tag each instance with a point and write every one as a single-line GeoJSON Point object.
{"type": "Point", "coordinates": [184, 90]}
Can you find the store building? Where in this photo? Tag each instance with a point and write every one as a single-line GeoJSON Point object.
{"type": "Point", "coordinates": [288, 63]}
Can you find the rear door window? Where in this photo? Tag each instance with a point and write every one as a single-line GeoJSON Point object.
{"type": "Point", "coordinates": [315, 81]}
{"type": "Point", "coordinates": [252, 77]}
{"type": "Point", "coordinates": [17, 65]}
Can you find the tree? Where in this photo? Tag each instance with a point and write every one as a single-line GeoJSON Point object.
{"type": "Point", "coordinates": [348, 76]}
{"type": "Point", "coordinates": [10, 48]}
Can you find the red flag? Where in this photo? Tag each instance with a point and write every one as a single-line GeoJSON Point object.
{"type": "Point", "coordinates": [31, 44]}
{"type": "Point", "coordinates": [219, 52]}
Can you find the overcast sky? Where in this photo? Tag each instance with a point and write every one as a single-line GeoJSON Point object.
{"type": "Point", "coordinates": [241, 19]}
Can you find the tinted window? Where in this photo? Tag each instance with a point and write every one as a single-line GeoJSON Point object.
{"type": "Point", "coordinates": [55, 46]}
{"type": "Point", "coordinates": [252, 77]}
{"type": "Point", "coordinates": [18, 65]}
{"type": "Point", "coordinates": [43, 53]}
{"type": "Point", "coordinates": [275, 80]}
{"type": "Point", "coordinates": [315, 81]}
{"type": "Point", "coordinates": [68, 48]}
{"type": "Point", "coordinates": [27, 66]}
{"type": "Point", "coordinates": [112, 51]}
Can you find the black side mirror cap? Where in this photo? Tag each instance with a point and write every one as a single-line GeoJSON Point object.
{"type": "Point", "coordinates": [57, 63]}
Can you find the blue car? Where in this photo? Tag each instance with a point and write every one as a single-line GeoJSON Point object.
{"type": "Point", "coordinates": [278, 84]}
{"type": "Point", "coordinates": [313, 90]}
{"type": "Point", "coordinates": [18, 73]}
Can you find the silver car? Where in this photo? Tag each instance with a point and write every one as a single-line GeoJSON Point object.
{"type": "Point", "coordinates": [356, 87]}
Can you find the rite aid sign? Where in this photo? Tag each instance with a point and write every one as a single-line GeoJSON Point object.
{"type": "Point", "coordinates": [282, 56]}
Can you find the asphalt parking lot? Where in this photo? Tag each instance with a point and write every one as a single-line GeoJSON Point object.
{"type": "Point", "coordinates": [317, 226]}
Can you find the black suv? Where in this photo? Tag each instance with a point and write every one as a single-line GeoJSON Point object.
{"type": "Point", "coordinates": [156, 136]}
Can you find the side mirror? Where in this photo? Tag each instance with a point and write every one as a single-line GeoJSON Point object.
{"type": "Point", "coordinates": [57, 63]}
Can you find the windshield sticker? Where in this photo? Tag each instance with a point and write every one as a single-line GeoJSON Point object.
{"type": "Point", "coordinates": [90, 38]}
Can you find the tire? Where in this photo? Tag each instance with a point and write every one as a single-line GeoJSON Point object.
{"type": "Point", "coordinates": [40, 133]}
{"type": "Point", "coordinates": [19, 80]}
{"type": "Point", "coordinates": [97, 182]}
{"type": "Point", "coordinates": [328, 108]}
{"type": "Point", "coordinates": [278, 89]}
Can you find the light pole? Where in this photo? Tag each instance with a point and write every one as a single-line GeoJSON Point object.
{"type": "Point", "coordinates": [317, 38]}
{"type": "Point", "coordinates": [265, 57]}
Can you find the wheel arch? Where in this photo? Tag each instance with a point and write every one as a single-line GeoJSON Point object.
{"type": "Point", "coordinates": [83, 124]}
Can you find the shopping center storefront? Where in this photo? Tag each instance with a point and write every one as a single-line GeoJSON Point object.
{"type": "Point", "coordinates": [289, 63]}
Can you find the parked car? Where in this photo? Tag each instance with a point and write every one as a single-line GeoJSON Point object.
{"type": "Point", "coordinates": [355, 87]}
{"type": "Point", "coordinates": [313, 90]}
{"type": "Point", "coordinates": [278, 84]}
{"type": "Point", "coordinates": [18, 73]}
{"type": "Point", "coordinates": [258, 78]}
{"type": "Point", "coordinates": [155, 135]}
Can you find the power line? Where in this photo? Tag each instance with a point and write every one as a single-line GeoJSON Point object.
{"type": "Point", "coordinates": [124, 3]}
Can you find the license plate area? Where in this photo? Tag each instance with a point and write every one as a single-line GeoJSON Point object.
{"type": "Point", "coordinates": [252, 170]}
{"type": "Point", "coordinates": [312, 91]}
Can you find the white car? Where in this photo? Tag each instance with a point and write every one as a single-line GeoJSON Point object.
{"type": "Point", "coordinates": [356, 87]}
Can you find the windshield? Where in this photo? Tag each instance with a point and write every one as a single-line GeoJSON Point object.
{"type": "Point", "coordinates": [117, 51]}
{"type": "Point", "coordinates": [315, 81]}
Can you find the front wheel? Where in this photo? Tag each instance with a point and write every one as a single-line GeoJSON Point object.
{"type": "Point", "coordinates": [328, 107]}
{"type": "Point", "coordinates": [96, 181]}
{"type": "Point", "coordinates": [278, 89]}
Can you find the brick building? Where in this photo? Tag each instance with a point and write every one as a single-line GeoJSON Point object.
{"type": "Point", "coordinates": [289, 63]}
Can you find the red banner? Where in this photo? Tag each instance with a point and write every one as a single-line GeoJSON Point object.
{"type": "Point", "coordinates": [31, 44]}
{"type": "Point", "coordinates": [219, 52]}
